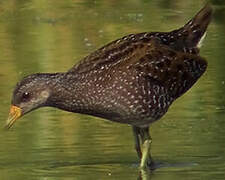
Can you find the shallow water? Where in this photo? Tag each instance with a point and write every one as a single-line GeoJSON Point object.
{"type": "Point", "coordinates": [41, 36]}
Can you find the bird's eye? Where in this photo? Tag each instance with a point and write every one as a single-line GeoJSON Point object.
{"type": "Point", "coordinates": [25, 96]}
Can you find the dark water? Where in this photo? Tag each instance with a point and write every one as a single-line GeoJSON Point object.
{"type": "Point", "coordinates": [50, 36]}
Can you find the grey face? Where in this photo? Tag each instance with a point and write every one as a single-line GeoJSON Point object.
{"type": "Point", "coordinates": [32, 92]}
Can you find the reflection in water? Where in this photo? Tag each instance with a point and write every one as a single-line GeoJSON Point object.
{"type": "Point", "coordinates": [144, 175]}
{"type": "Point", "coordinates": [42, 36]}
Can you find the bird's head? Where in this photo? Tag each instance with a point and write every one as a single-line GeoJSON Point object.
{"type": "Point", "coordinates": [29, 94]}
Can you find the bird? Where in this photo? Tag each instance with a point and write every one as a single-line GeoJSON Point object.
{"type": "Point", "coordinates": [132, 80]}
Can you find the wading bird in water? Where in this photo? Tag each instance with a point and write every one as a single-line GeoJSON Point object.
{"type": "Point", "coordinates": [131, 80]}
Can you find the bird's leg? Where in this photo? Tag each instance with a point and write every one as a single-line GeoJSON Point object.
{"type": "Point", "coordinates": [136, 132]}
{"type": "Point", "coordinates": [146, 159]}
{"type": "Point", "coordinates": [145, 154]}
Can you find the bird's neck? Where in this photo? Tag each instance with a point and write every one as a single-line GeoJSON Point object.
{"type": "Point", "coordinates": [67, 93]}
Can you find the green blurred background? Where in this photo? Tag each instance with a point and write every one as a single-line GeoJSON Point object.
{"type": "Point", "coordinates": [51, 36]}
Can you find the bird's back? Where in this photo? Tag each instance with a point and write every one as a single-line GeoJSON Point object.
{"type": "Point", "coordinates": [135, 79]}
{"type": "Point", "coordinates": [186, 39]}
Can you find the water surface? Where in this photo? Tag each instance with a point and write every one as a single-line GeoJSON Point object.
{"type": "Point", "coordinates": [51, 36]}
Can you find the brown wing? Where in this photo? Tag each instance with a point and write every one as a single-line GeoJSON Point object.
{"type": "Point", "coordinates": [175, 70]}
{"type": "Point", "coordinates": [185, 39]}
{"type": "Point", "coordinates": [113, 53]}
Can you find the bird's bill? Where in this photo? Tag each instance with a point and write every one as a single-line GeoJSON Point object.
{"type": "Point", "coordinates": [14, 114]}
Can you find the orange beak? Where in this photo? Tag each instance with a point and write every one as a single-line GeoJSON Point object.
{"type": "Point", "coordinates": [14, 113]}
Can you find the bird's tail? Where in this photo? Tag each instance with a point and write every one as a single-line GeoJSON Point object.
{"type": "Point", "coordinates": [189, 37]}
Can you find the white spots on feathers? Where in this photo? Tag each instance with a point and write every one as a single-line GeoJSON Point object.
{"type": "Point", "coordinates": [199, 45]}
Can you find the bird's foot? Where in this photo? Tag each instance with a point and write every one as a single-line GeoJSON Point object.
{"type": "Point", "coordinates": [151, 164]}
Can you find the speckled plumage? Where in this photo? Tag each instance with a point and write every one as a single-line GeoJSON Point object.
{"type": "Point", "coordinates": [131, 80]}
